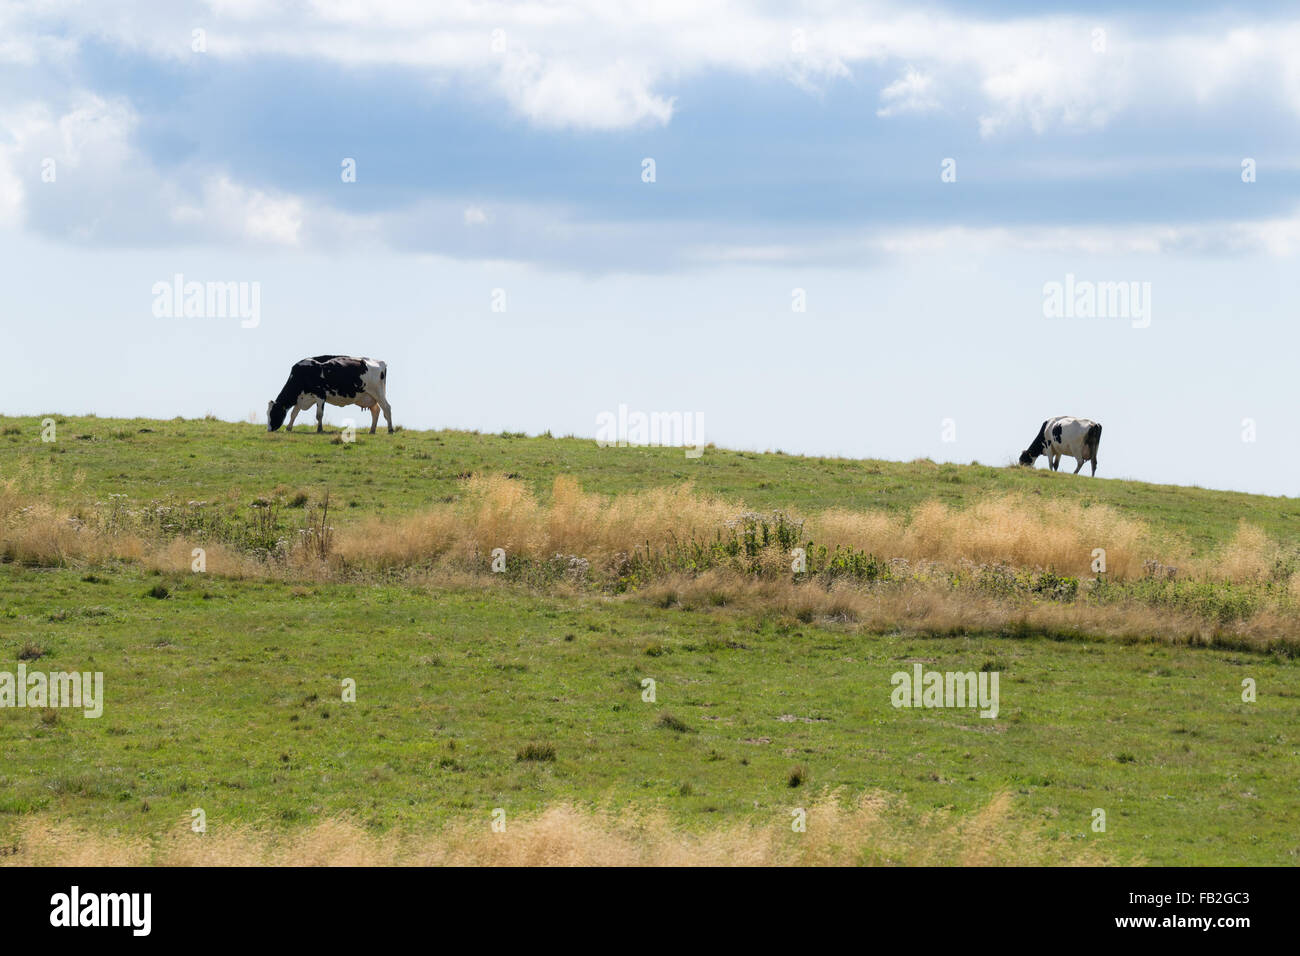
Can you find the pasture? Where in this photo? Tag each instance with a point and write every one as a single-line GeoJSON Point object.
{"type": "Point", "coordinates": [523, 691]}
{"type": "Point", "coordinates": [175, 461]}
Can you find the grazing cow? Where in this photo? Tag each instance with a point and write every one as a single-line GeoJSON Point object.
{"type": "Point", "coordinates": [337, 379]}
{"type": "Point", "coordinates": [1076, 437]}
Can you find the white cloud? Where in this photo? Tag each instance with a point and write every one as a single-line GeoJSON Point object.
{"type": "Point", "coordinates": [186, 205]}
{"type": "Point", "coordinates": [911, 93]}
{"type": "Point", "coordinates": [564, 94]}
{"type": "Point", "coordinates": [92, 132]}
{"type": "Point", "coordinates": [602, 64]}
{"type": "Point", "coordinates": [1279, 237]}
{"type": "Point", "coordinates": [98, 172]}
{"type": "Point", "coordinates": [252, 213]}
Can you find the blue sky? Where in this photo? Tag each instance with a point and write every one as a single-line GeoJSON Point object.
{"type": "Point", "coordinates": [501, 146]}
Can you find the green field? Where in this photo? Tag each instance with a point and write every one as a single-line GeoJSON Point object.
{"type": "Point", "coordinates": [175, 461]}
{"type": "Point", "coordinates": [225, 694]}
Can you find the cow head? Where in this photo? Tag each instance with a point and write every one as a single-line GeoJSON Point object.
{"type": "Point", "coordinates": [1036, 447]}
{"type": "Point", "coordinates": [274, 415]}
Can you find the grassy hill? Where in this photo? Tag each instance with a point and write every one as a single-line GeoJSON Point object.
{"type": "Point", "coordinates": [178, 460]}
{"type": "Point", "coordinates": [478, 692]}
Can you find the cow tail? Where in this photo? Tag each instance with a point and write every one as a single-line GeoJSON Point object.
{"type": "Point", "coordinates": [1094, 439]}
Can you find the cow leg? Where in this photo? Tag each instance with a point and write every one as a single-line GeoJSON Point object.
{"type": "Point", "coordinates": [293, 415]}
{"type": "Point", "coordinates": [1094, 467]}
{"type": "Point", "coordinates": [1081, 461]}
{"type": "Point", "coordinates": [320, 416]}
{"type": "Point", "coordinates": [388, 413]}
{"type": "Point", "coordinates": [374, 418]}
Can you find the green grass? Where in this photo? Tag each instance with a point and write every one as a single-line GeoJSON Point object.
{"type": "Point", "coordinates": [173, 462]}
{"type": "Point", "coordinates": [226, 695]}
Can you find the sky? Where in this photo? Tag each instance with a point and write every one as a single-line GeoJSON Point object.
{"type": "Point", "coordinates": [826, 228]}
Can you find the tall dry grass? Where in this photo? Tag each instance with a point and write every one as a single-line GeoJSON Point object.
{"type": "Point", "coordinates": [497, 512]}
{"type": "Point", "coordinates": [35, 533]}
{"type": "Point", "coordinates": [924, 607]}
{"type": "Point", "coordinates": [874, 830]}
{"type": "Point", "coordinates": [1003, 530]}
{"type": "Point", "coordinates": [1249, 555]}
{"type": "Point", "coordinates": [500, 513]}
{"type": "Point", "coordinates": [449, 544]}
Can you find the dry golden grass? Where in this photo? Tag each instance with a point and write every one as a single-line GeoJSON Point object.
{"type": "Point", "coordinates": [1004, 530]}
{"type": "Point", "coordinates": [177, 556]}
{"type": "Point", "coordinates": [927, 607]}
{"type": "Point", "coordinates": [448, 545]}
{"type": "Point", "coordinates": [874, 830]}
{"type": "Point", "coordinates": [496, 512]}
{"type": "Point", "coordinates": [36, 533]}
{"type": "Point", "coordinates": [1248, 556]}
{"type": "Point", "coordinates": [499, 513]}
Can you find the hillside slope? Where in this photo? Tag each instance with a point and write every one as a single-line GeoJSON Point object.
{"type": "Point", "coordinates": [525, 691]}
{"type": "Point", "coordinates": [178, 460]}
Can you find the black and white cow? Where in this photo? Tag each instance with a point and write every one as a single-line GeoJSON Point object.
{"type": "Point", "coordinates": [1076, 437]}
{"type": "Point", "coordinates": [336, 379]}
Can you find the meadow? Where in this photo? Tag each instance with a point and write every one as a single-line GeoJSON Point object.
{"type": "Point", "coordinates": [178, 460]}
{"type": "Point", "coordinates": [522, 692]}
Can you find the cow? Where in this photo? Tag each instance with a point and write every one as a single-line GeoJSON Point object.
{"type": "Point", "coordinates": [336, 379]}
{"type": "Point", "coordinates": [1076, 437]}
